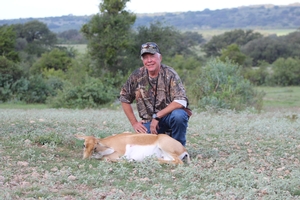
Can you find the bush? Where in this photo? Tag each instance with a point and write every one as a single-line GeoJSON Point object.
{"type": "Point", "coordinates": [9, 73]}
{"type": "Point", "coordinates": [6, 81]}
{"type": "Point", "coordinates": [220, 85]}
{"type": "Point", "coordinates": [91, 94]}
{"type": "Point", "coordinates": [37, 91]}
{"type": "Point", "coordinates": [256, 75]}
{"type": "Point", "coordinates": [286, 72]}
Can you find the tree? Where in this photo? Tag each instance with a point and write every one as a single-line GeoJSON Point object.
{"type": "Point", "coordinates": [55, 60]}
{"type": "Point", "coordinates": [267, 49]}
{"type": "Point", "coordinates": [169, 39]}
{"type": "Point", "coordinates": [7, 43]}
{"type": "Point", "coordinates": [172, 43]}
{"type": "Point", "coordinates": [71, 36]}
{"type": "Point", "coordinates": [37, 35]}
{"type": "Point", "coordinates": [108, 35]}
{"type": "Point", "coordinates": [219, 42]}
{"type": "Point", "coordinates": [9, 73]}
{"type": "Point", "coordinates": [286, 72]}
{"type": "Point", "coordinates": [233, 53]}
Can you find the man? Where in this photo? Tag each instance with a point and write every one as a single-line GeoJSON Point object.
{"type": "Point", "coordinates": [159, 94]}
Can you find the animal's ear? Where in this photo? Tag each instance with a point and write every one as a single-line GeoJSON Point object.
{"type": "Point", "coordinates": [80, 137]}
{"type": "Point", "coordinates": [102, 145]}
{"type": "Point", "coordinates": [107, 151]}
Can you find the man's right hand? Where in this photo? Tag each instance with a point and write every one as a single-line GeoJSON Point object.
{"type": "Point", "coordinates": [139, 127]}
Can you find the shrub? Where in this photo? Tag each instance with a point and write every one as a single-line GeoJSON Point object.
{"type": "Point", "coordinates": [91, 94]}
{"type": "Point", "coordinates": [286, 72]}
{"type": "Point", "coordinates": [9, 73]}
{"type": "Point", "coordinates": [220, 85]}
{"type": "Point", "coordinates": [37, 91]}
{"type": "Point", "coordinates": [256, 75]}
{"type": "Point", "coordinates": [6, 81]}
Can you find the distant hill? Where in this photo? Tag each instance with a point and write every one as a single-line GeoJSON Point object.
{"type": "Point", "coordinates": [248, 17]}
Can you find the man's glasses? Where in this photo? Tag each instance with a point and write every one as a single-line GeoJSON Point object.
{"type": "Point", "coordinates": [149, 45]}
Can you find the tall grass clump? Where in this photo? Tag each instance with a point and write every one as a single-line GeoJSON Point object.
{"type": "Point", "coordinates": [220, 85]}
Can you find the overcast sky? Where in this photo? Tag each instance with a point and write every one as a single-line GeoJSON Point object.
{"type": "Point", "coordinates": [14, 9]}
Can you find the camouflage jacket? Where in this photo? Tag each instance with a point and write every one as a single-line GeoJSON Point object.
{"type": "Point", "coordinates": [139, 87]}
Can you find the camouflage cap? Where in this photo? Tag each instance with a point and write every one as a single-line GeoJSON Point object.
{"type": "Point", "coordinates": [149, 47]}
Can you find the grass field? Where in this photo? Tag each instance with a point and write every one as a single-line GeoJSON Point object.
{"type": "Point", "coordinates": [209, 33]}
{"type": "Point", "coordinates": [81, 48]}
{"type": "Point", "coordinates": [281, 97]}
{"type": "Point", "coordinates": [234, 155]}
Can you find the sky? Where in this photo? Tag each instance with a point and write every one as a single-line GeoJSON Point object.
{"type": "Point", "coordinates": [15, 9]}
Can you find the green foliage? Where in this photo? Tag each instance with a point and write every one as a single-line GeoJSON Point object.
{"type": "Point", "coordinates": [55, 60]}
{"type": "Point", "coordinates": [218, 42]}
{"type": "Point", "coordinates": [246, 17]}
{"type": "Point", "coordinates": [286, 72]}
{"type": "Point", "coordinates": [233, 53]}
{"type": "Point", "coordinates": [9, 67]}
{"type": "Point", "coordinates": [266, 49]}
{"type": "Point", "coordinates": [7, 43]}
{"type": "Point", "coordinates": [170, 40]}
{"type": "Point", "coordinates": [38, 90]}
{"type": "Point", "coordinates": [37, 35]}
{"type": "Point", "coordinates": [91, 94]}
{"type": "Point", "coordinates": [108, 34]}
{"type": "Point", "coordinates": [220, 85]}
{"type": "Point", "coordinates": [172, 44]}
{"type": "Point", "coordinates": [6, 81]}
{"type": "Point", "coordinates": [9, 73]}
{"type": "Point", "coordinates": [50, 138]}
{"type": "Point", "coordinates": [71, 36]}
{"type": "Point", "coordinates": [184, 66]}
{"type": "Point", "coordinates": [257, 76]}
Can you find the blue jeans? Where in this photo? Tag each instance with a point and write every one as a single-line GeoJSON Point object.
{"type": "Point", "coordinates": [177, 121]}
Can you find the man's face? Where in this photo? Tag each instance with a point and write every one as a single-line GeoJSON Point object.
{"type": "Point", "coordinates": [152, 62]}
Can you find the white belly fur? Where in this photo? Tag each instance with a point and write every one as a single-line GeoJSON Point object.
{"type": "Point", "coordinates": [139, 152]}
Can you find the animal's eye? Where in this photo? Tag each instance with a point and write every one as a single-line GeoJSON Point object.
{"type": "Point", "coordinates": [83, 146]}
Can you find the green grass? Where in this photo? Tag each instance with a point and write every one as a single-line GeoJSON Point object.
{"type": "Point", "coordinates": [22, 106]}
{"type": "Point", "coordinates": [81, 48]}
{"type": "Point", "coordinates": [234, 156]}
{"type": "Point", "coordinates": [281, 97]}
{"type": "Point", "coordinates": [209, 33]}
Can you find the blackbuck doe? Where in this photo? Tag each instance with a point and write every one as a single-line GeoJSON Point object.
{"type": "Point", "coordinates": [135, 146]}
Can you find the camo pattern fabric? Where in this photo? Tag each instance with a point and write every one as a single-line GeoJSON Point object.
{"type": "Point", "coordinates": [139, 87]}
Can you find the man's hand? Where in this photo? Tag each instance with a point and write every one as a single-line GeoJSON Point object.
{"type": "Point", "coordinates": [139, 127]}
{"type": "Point", "coordinates": [154, 126]}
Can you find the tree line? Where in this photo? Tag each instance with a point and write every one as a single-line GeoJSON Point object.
{"type": "Point", "coordinates": [218, 73]}
{"type": "Point", "coordinates": [248, 17]}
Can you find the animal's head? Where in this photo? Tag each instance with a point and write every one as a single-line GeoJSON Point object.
{"type": "Point", "coordinates": [89, 145]}
{"type": "Point", "coordinates": [93, 145]}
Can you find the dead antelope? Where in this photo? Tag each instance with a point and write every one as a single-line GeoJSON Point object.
{"type": "Point", "coordinates": [133, 146]}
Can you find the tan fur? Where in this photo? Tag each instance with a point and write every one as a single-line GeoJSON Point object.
{"type": "Point", "coordinates": [114, 147]}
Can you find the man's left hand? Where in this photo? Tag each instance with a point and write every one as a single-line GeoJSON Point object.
{"type": "Point", "coordinates": [154, 126]}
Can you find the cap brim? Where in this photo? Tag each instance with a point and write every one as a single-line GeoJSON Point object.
{"type": "Point", "coordinates": [151, 51]}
